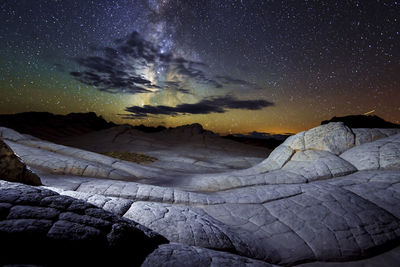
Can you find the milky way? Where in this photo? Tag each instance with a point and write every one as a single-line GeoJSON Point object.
{"type": "Point", "coordinates": [233, 66]}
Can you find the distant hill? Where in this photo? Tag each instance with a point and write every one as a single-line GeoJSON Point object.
{"type": "Point", "coordinates": [363, 121]}
{"type": "Point", "coordinates": [149, 129]}
{"type": "Point", "coordinates": [48, 126]}
{"type": "Point", "coordinates": [259, 139]}
{"type": "Point", "coordinates": [194, 128]}
{"type": "Point", "coordinates": [55, 128]}
{"type": "Point", "coordinates": [264, 136]}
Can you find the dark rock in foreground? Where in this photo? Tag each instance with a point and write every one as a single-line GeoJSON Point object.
{"type": "Point", "coordinates": [13, 170]}
{"type": "Point", "coordinates": [41, 227]}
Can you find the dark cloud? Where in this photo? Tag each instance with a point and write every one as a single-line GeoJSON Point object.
{"type": "Point", "coordinates": [205, 106]}
{"type": "Point", "coordinates": [224, 79]}
{"type": "Point", "coordinates": [230, 80]}
{"type": "Point", "coordinates": [175, 86]}
{"type": "Point", "coordinates": [117, 70]}
{"type": "Point", "coordinates": [114, 72]}
{"type": "Point", "coordinates": [194, 70]}
{"type": "Point", "coordinates": [136, 47]}
{"type": "Point", "coordinates": [114, 82]}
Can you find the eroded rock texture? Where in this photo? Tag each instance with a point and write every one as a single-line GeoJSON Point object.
{"type": "Point", "coordinates": [380, 154]}
{"type": "Point", "coordinates": [330, 194]}
{"type": "Point", "coordinates": [39, 226]}
{"type": "Point", "coordinates": [12, 169]}
{"type": "Point", "coordinates": [182, 255]}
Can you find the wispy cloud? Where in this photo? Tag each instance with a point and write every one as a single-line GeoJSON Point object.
{"type": "Point", "coordinates": [120, 69]}
{"type": "Point", "coordinates": [205, 106]}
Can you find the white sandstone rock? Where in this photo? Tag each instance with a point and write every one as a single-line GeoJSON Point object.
{"type": "Point", "coordinates": [296, 142]}
{"type": "Point", "coordinates": [276, 159]}
{"type": "Point", "coordinates": [317, 165]}
{"type": "Point", "coordinates": [311, 200]}
{"type": "Point", "coordinates": [380, 154]}
{"type": "Point", "coordinates": [187, 225]}
{"type": "Point", "coordinates": [334, 137]}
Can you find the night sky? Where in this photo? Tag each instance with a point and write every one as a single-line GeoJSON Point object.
{"type": "Point", "coordinates": [233, 66]}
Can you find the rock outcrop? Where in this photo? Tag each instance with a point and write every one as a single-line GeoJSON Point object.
{"type": "Point", "coordinates": [52, 127]}
{"type": "Point", "coordinates": [328, 194]}
{"type": "Point", "coordinates": [12, 169]}
{"type": "Point", "coordinates": [363, 121]}
{"type": "Point", "coordinates": [380, 154]}
{"type": "Point", "coordinates": [41, 227]}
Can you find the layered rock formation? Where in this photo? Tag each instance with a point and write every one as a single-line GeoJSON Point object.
{"type": "Point", "coordinates": [12, 169]}
{"type": "Point", "coordinates": [328, 194]}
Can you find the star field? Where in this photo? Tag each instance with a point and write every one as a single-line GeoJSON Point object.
{"type": "Point", "coordinates": [233, 66]}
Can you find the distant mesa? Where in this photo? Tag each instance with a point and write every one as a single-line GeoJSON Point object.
{"type": "Point", "coordinates": [48, 126]}
{"type": "Point", "coordinates": [195, 128]}
{"type": "Point", "coordinates": [264, 136]}
{"type": "Point", "coordinates": [56, 128]}
{"type": "Point", "coordinates": [149, 129]}
{"type": "Point", "coordinates": [190, 129]}
{"type": "Point", "coordinates": [363, 121]}
{"type": "Point", "coordinates": [254, 138]}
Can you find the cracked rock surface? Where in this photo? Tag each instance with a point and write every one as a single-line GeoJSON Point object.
{"type": "Point", "coordinates": [180, 255]}
{"type": "Point", "coordinates": [330, 194]}
{"type": "Point", "coordinates": [39, 226]}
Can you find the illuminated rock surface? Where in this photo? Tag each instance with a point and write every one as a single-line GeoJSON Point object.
{"type": "Point", "coordinates": [325, 195]}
